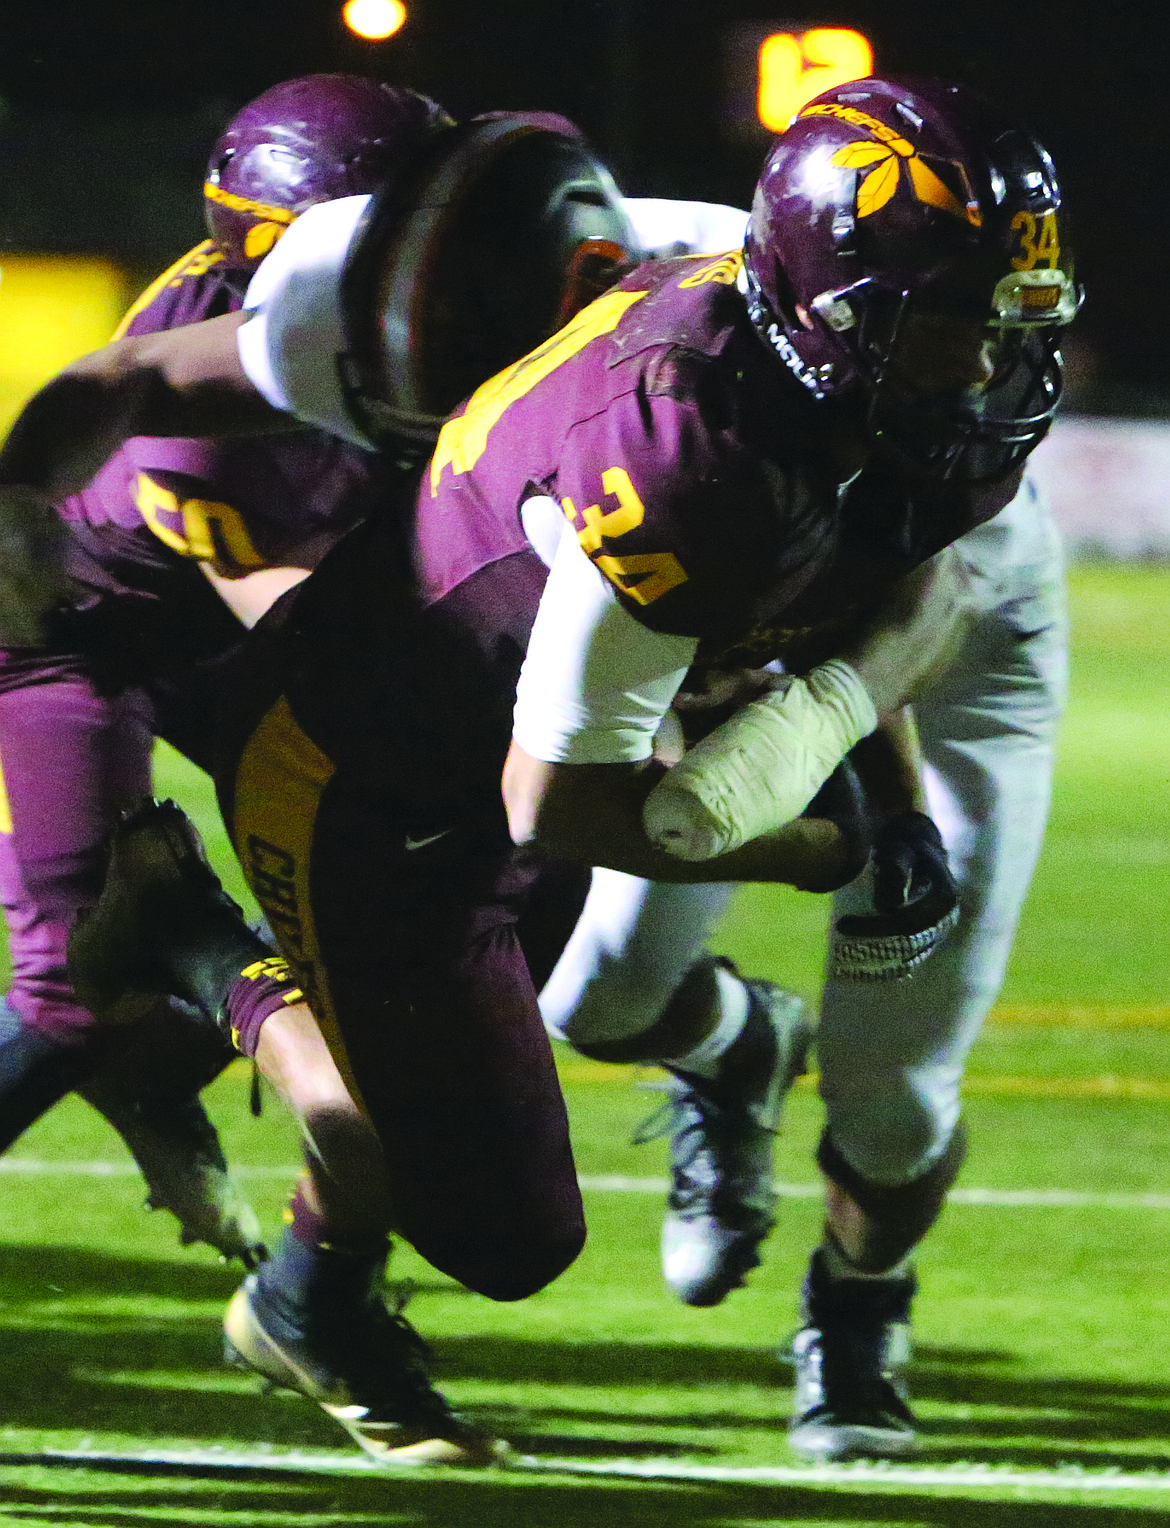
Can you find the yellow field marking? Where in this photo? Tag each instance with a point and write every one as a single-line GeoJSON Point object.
{"type": "Point", "coordinates": [1083, 1015]}
{"type": "Point", "coordinates": [987, 1086]}
{"type": "Point", "coordinates": [1154, 1089]}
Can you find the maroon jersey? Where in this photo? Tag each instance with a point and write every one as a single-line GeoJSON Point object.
{"type": "Point", "coordinates": [240, 504]}
{"type": "Point", "coordinates": [697, 475]}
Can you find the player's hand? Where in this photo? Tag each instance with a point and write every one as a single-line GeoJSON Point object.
{"type": "Point", "coordinates": [33, 581]}
{"type": "Point", "coordinates": [915, 906]}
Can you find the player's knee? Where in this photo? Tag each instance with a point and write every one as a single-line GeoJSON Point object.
{"type": "Point", "coordinates": [522, 1266]}
{"type": "Point", "coordinates": [669, 1021]}
{"type": "Point", "coordinates": [614, 1004]}
{"type": "Point", "coordinates": [893, 1133]}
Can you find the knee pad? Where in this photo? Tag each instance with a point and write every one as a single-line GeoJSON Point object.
{"type": "Point", "coordinates": [671, 1031]}
{"type": "Point", "coordinates": [890, 1122]}
{"type": "Point", "coordinates": [615, 1004]}
{"type": "Point", "coordinates": [898, 1215]}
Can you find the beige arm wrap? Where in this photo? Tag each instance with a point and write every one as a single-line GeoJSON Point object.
{"type": "Point", "coordinates": [761, 768]}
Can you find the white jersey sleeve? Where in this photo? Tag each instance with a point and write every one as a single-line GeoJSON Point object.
{"type": "Point", "coordinates": [294, 332]}
{"type": "Point", "coordinates": [666, 228]}
{"type": "Point", "coordinates": [595, 684]}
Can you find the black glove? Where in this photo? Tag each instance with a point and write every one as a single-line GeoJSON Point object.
{"type": "Point", "coordinates": [915, 906]}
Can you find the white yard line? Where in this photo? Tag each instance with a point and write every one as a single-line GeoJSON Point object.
{"type": "Point", "coordinates": [1052, 1198]}
{"type": "Point", "coordinates": [864, 1475]}
{"type": "Point", "coordinates": [1028, 1198]}
{"type": "Point", "coordinates": [34, 1167]}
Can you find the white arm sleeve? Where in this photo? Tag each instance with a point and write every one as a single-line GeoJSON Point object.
{"type": "Point", "coordinates": [665, 228]}
{"type": "Point", "coordinates": [294, 333]}
{"type": "Point", "coordinates": [595, 684]}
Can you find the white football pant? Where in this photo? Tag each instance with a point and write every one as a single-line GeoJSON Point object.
{"type": "Point", "coordinates": [890, 1054]}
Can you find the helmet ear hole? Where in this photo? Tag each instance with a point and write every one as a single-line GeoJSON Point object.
{"type": "Point", "coordinates": [217, 166]}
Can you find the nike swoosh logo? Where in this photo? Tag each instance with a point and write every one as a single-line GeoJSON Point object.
{"type": "Point", "coordinates": [420, 843]}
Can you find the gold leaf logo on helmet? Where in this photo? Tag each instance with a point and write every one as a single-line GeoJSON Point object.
{"type": "Point", "coordinates": [882, 161]}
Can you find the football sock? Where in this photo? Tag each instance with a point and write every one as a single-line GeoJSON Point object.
{"type": "Point", "coordinates": [312, 1227]}
{"type": "Point", "coordinates": [260, 989]}
{"type": "Point", "coordinates": [732, 1010]}
{"type": "Point", "coordinates": [317, 1281]}
{"type": "Point", "coordinates": [304, 1222]}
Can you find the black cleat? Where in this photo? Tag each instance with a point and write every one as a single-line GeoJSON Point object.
{"type": "Point", "coordinates": [163, 924]}
{"type": "Point", "coordinates": [149, 1092]}
{"type": "Point", "coordinates": [364, 1367]}
{"type": "Point", "coordinates": [178, 1153]}
{"type": "Point", "coordinates": [721, 1199]}
{"type": "Point", "coordinates": [850, 1358]}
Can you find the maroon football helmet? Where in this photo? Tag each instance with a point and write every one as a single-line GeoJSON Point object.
{"type": "Point", "coordinates": [305, 141]}
{"type": "Point", "coordinates": [883, 202]}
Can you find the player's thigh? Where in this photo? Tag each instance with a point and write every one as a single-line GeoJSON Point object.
{"type": "Point", "coordinates": [72, 757]}
{"type": "Point", "coordinates": [891, 1056]}
{"type": "Point", "coordinates": [436, 1012]}
{"type": "Point", "coordinates": [410, 960]}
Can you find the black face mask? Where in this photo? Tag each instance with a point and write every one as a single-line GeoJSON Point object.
{"type": "Point", "coordinates": [968, 434]}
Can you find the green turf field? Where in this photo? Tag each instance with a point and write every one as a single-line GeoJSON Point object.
{"type": "Point", "coordinates": [1042, 1329]}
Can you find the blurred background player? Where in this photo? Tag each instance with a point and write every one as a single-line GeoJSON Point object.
{"type": "Point", "coordinates": [165, 525]}
{"type": "Point", "coordinates": [895, 1029]}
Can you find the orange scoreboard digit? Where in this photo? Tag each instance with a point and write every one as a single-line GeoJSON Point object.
{"type": "Point", "coordinates": [773, 69]}
{"type": "Point", "coordinates": [794, 67]}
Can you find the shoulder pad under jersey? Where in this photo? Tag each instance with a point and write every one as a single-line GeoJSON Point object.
{"type": "Point", "coordinates": [187, 292]}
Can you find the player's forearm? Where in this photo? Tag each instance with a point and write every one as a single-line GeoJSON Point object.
{"type": "Point", "coordinates": [592, 813]}
{"type": "Point", "coordinates": [889, 765]}
{"type": "Point", "coordinates": [183, 382]}
{"type": "Point", "coordinates": [914, 634]}
{"type": "Point", "coordinates": [68, 431]}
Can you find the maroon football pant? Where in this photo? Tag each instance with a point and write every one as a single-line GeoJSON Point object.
{"type": "Point", "coordinates": [405, 933]}
{"type": "Point", "coordinates": [72, 759]}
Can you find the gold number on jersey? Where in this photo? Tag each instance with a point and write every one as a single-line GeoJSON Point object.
{"type": "Point", "coordinates": [463, 440]}
{"type": "Point", "coordinates": [211, 532]}
{"type": "Point", "coordinates": [724, 270]}
{"type": "Point", "coordinates": [627, 517]}
{"type": "Point", "coordinates": [656, 573]}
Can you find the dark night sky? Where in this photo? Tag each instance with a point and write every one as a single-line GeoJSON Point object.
{"type": "Point", "coordinates": [111, 108]}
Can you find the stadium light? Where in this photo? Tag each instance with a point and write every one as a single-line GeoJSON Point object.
{"type": "Point", "coordinates": [375, 20]}
{"type": "Point", "coordinates": [794, 67]}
